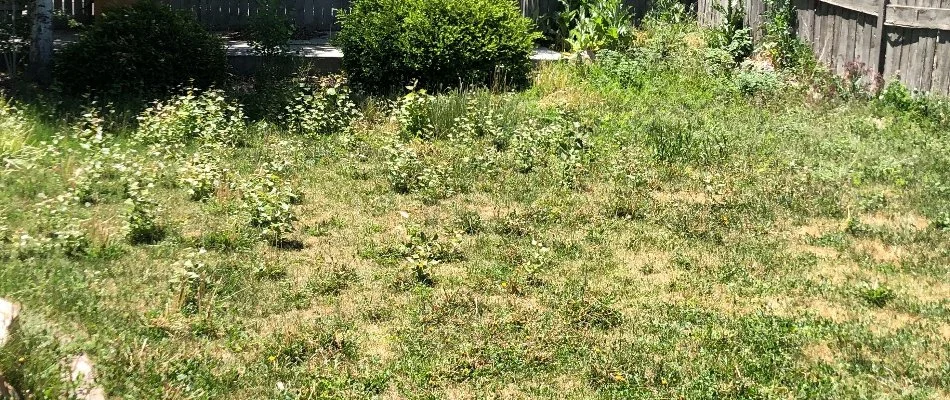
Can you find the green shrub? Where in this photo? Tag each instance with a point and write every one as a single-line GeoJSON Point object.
{"type": "Point", "coordinates": [387, 44]}
{"type": "Point", "coordinates": [781, 43]}
{"type": "Point", "coordinates": [412, 113]}
{"type": "Point", "coordinates": [732, 35]}
{"type": "Point", "coordinates": [268, 198]}
{"type": "Point", "coordinates": [756, 79]}
{"type": "Point", "coordinates": [142, 50]}
{"type": "Point", "coordinates": [324, 107]}
{"type": "Point", "coordinates": [878, 295]}
{"type": "Point", "coordinates": [620, 68]}
{"type": "Point", "coordinates": [598, 24]}
{"type": "Point", "coordinates": [207, 116]}
{"type": "Point", "coordinates": [202, 175]}
{"type": "Point", "coordinates": [897, 97]}
{"type": "Point", "coordinates": [142, 226]}
{"type": "Point", "coordinates": [270, 30]}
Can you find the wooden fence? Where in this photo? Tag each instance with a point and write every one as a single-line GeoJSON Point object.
{"type": "Point", "coordinates": [315, 15]}
{"type": "Point", "coordinates": [845, 34]}
{"type": "Point", "coordinates": [79, 9]}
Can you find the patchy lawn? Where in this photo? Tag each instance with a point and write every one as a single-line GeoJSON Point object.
{"type": "Point", "coordinates": [642, 228]}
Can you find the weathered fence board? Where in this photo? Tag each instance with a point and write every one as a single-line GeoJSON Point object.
{"type": "Point", "coordinates": [941, 79]}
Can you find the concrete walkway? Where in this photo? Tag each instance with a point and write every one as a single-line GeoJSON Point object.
{"type": "Point", "coordinates": [316, 51]}
{"type": "Point", "coordinates": [322, 56]}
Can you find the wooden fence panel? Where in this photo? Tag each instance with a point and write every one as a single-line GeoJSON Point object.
{"type": "Point", "coordinates": [846, 34]}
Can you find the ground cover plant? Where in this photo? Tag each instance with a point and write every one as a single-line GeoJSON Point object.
{"type": "Point", "coordinates": [648, 225]}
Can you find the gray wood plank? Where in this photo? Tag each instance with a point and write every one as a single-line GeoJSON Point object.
{"type": "Point", "coordinates": [929, 40]}
{"type": "Point", "coordinates": [864, 51]}
{"type": "Point", "coordinates": [846, 39]}
{"type": "Point", "coordinates": [941, 78]}
{"type": "Point", "coordinates": [892, 50]}
{"type": "Point", "coordinates": [817, 43]}
{"type": "Point", "coordinates": [805, 15]}
{"type": "Point", "coordinates": [909, 63]}
{"type": "Point", "coordinates": [918, 17]}
{"type": "Point", "coordinates": [928, 44]}
{"type": "Point", "coordinates": [840, 33]}
{"type": "Point", "coordinates": [859, 51]}
{"type": "Point", "coordinates": [830, 37]}
{"type": "Point", "coordinates": [864, 6]}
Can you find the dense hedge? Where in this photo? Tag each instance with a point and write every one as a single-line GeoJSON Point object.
{"type": "Point", "coordinates": [141, 50]}
{"type": "Point", "coordinates": [388, 44]}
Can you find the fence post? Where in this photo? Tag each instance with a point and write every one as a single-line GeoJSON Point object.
{"type": "Point", "coordinates": [881, 54]}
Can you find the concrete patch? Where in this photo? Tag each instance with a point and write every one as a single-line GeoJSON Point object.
{"type": "Point", "coordinates": [82, 374]}
{"type": "Point", "coordinates": [321, 56]}
{"type": "Point", "coordinates": [8, 313]}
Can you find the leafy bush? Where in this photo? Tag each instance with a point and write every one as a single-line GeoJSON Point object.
{"type": "Point", "coordinates": [323, 108]}
{"type": "Point", "coordinates": [752, 78]}
{"type": "Point", "coordinates": [897, 97]}
{"type": "Point", "coordinates": [667, 12]}
{"type": "Point", "coordinates": [268, 198]}
{"type": "Point", "coordinates": [207, 116]}
{"type": "Point", "coordinates": [617, 67]}
{"type": "Point", "coordinates": [269, 29]}
{"type": "Point", "coordinates": [14, 41]}
{"type": "Point", "coordinates": [732, 35]}
{"type": "Point", "coordinates": [877, 295]}
{"type": "Point", "coordinates": [423, 251]}
{"type": "Point", "coordinates": [142, 225]}
{"type": "Point", "coordinates": [782, 45]}
{"type": "Point", "coordinates": [556, 142]}
{"type": "Point", "coordinates": [387, 44]}
{"type": "Point", "coordinates": [942, 222]}
{"type": "Point", "coordinates": [403, 168]}
{"type": "Point", "coordinates": [412, 113]}
{"type": "Point", "coordinates": [202, 174]}
{"type": "Point", "coordinates": [597, 24]}
{"type": "Point", "coordinates": [191, 281]}
{"type": "Point", "coordinates": [142, 50]}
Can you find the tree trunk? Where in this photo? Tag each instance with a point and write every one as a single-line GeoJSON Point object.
{"type": "Point", "coordinates": [41, 45]}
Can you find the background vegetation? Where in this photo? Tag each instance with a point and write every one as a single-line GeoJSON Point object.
{"type": "Point", "coordinates": [141, 52]}
{"type": "Point", "coordinates": [388, 44]}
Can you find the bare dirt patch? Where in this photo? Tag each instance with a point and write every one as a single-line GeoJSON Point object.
{"type": "Point", "coordinates": [911, 221]}
{"type": "Point", "coordinates": [817, 228]}
{"type": "Point", "coordinates": [818, 251]}
{"type": "Point", "coordinates": [879, 251]}
{"type": "Point", "coordinates": [685, 197]}
{"type": "Point", "coordinates": [819, 352]}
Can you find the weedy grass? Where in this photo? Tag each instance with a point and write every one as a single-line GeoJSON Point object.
{"type": "Point", "coordinates": [641, 227]}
